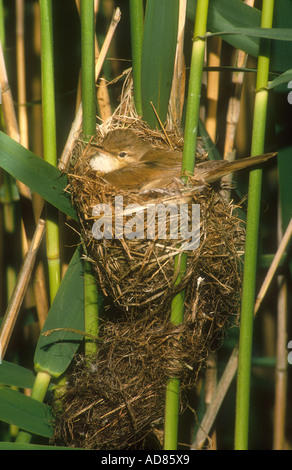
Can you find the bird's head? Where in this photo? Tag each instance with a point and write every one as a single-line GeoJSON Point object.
{"type": "Point", "coordinates": [120, 148]}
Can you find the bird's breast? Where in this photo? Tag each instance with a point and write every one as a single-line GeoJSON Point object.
{"type": "Point", "coordinates": [104, 162]}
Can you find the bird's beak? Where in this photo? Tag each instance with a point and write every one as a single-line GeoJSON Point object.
{"type": "Point", "coordinates": [104, 162]}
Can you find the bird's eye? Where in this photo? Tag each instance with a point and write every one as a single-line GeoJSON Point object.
{"type": "Point", "coordinates": [122, 154]}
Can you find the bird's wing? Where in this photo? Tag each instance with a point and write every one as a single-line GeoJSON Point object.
{"type": "Point", "coordinates": [164, 157]}
{"type": "Point", "coordinates": [211, 171]}
{"type": "Point", "coordinates": [143, 175]}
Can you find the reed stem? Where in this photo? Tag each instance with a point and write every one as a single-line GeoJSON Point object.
{"type": "Point", "coordinates": [49, 141]}
{"type": "Point", "coordinates": [251, 245]}
{"type": "Point", "coordinates": [195, 83]}
{"type": "Point", "coordinates": [89, 130]}
{"type": "Point", "coordinates": [87, 67]}
{"type": "Point", "coordinates": [38, 393]}
{"type": "Point", "coordinates": [191, 130]}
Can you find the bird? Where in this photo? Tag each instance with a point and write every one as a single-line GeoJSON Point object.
{"type": "Point", "coordinates": [129, 162]}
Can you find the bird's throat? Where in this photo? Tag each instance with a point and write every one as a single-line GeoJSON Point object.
{"type": "Point", "coordinates": [104, 163]}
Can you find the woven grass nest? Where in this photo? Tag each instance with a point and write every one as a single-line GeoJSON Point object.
{"type": "Point", "coordinates": [117, 400]}
{"type": "Point", "coordinates": [138, 275]}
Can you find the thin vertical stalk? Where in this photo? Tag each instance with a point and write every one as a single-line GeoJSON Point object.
{"type": "Point", "coordinates": [233, 116]}
{"type": "Point", "coordinates": [137, 20]}
{"type": "Point", "coordinates": [251, 245]}
{"type": "Point", "coordinates": [195, 83]}
{"type": "Point", "coordinates": [171, 416]}
{"type": "Point", "coordinates": [38, 393]}
{"type": "Point", "coordinates": [234, 102]}
{"type": "Point", "coordinates": [7, 107]}
{"type": "Point", "coordinates": [36, 143]}
{"type": "Point", "coordinates": [21, 82]}
{"type": "Point", "coordinates": [103, 98]}
{"type": "Point", "coordinates": [281, 356]}
{"type": "Point", "coordinates": [210, 385]}
{"type": "Point", "coordinates": [39, 287]}
{"type": "Point", "coordinates": [191, 132]}
{"type": "Point", "coordinates": [87, 67]}
{"type": "Point", "coordinates": [19, 290]}
{"type": "Point", "coordinates": [178, 81]}
{"type": "Point", "coordinates": [49, 141]}
{"type": "Point", "coordinates": [2, 24]}
{"type": "Point", "coordinates": [48, 88]}
{"type": "Point", "coordinates": [10, 193]}
{"type": "Point", "coordinates": [89, 130]}
{"type": "Point", "coordinates": [281, 367]}
{"type": "Point", "coordinates": [213, 87]}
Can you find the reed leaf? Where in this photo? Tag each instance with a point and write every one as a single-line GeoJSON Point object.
{"type": "Point", "coordinates": [15, 375]}
{"type": "Point", "coordinates": [158, 55]}
{"type": "Point", "coordinates": [20, 410]}
{"type": "Point", "coordinates": [137, 26]}
{"type": "Point", "coordinates": [17, 446]}
{"type": "Point", "coordinates": [55, 352]}
{"type": "Point", "coordinates": [282, 79]}
{"type": "Point", "coordinates": [278, 34]}
{"type": "Point", "coordinates": [225, 15]}
{"type": "Point", "coordinates": [41, 177]}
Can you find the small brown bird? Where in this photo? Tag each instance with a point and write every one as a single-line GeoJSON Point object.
{"type": "Point", "coordinates": [128, 162]}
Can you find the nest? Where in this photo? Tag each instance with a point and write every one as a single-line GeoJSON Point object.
{"type": "Point", "coordinates": [116, 401]}
{"type": "Point", "coordinates": [139, 275]}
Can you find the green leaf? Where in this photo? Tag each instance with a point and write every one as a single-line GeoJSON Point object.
{"type": "Point", "coordinates": [281, 79]}
{"type": "Point", "coordinates": [158, 54]}
{"type": "Point", "coordinates": [226, 15]}
{"type": "Point", "coordinates": [24, 412]}
{"type": "Point", "coordinates": [34, 172]}
{"type": "Point", "coordinates": [211, 149]}
{"type": "Point", "coordinates": [15, 375]}
{"type": "Point", "coordinates": [21, 446]}
{"type": "Point", "coordinates": [55, 352]}
{"type": "Point", "coordinates": [278, 34]}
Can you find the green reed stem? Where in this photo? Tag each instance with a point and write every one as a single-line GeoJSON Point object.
{"type": "Point", "coordinates": [137, 24]}
{"type": "Point", "coordinates": [189, 153]}
{"type": "Point", "coordinates": [89, 130]}
{"type": "Point", "coordinates": [251, 244]}
{"type": "Point", "coordinates": [88, 67]}
{"type": "Point", "coordinates": [195, 84]}
{"type": "Point", "coordinates": [49, 140]}
{"type": "Point", "coordinates": [38, 392]}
